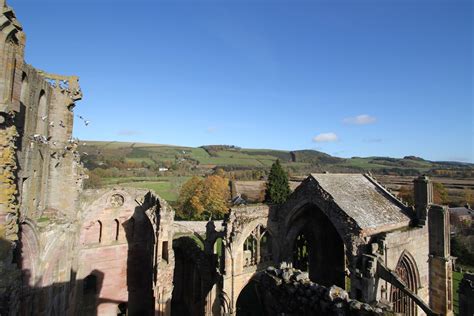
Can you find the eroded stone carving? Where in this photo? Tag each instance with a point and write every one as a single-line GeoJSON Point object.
{"type": "Point", "coordinates": [116, 200]}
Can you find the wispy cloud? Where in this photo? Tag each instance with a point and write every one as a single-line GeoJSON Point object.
{"type": "Point", "coordinates": [325, 138]}
{"type": "Point", "coordinates": [362, 119]}
{"type": "Point", "coordinates": [128, 132]}
{"type": "Point", "coordinates": [211, 129]}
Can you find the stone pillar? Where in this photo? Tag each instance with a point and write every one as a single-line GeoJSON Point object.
{"type": "Point", "coordinates": [466, 295]}
{"type": "Point", "coordinates": [440, 263]}
{"type": "Point", "coordinates": [423, 194]}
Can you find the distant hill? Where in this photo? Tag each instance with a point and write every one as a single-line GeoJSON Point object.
{"type": "Point", "coordinates": [228, 157]}
{"type": "Point", "coordinates": [164, 168]}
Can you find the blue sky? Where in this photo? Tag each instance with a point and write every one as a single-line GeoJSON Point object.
{"type": "Point", "coordinates": [350, 78]}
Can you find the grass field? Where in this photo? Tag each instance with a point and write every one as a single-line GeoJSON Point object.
{"type": "Point", "coordinates": [157, 153]}
{"type": "Point", "coordinates": [144, 161]}
{"type": "Point", "coordinates": [166, 187]}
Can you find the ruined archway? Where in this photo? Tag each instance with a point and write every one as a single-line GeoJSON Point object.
{"type": "Point", "coordinates": [408, 272]}
{"type": "Point", "coordinates": [248, 301]}
{"type": "Point", "coordinates": [316, 246]}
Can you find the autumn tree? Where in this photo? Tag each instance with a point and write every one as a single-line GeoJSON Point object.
{"type": "Point", "coordinates": [278, 188]}
{"type": "Point", "coordinates": [201, 198]}
{"type": "Point", "coordinates": [216, 195]}
{"type": "Point", "coordinates": [190, 198]}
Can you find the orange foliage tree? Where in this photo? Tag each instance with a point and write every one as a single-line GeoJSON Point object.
{"type": "Point", "coordinates": [200, 198]}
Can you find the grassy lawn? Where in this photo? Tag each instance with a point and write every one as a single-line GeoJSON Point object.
{"type": "Point", "coordinates": [166, 187]}
{"type": "Point", "coordinates": [162, 188]}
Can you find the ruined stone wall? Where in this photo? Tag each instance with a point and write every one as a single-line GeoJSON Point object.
{"type": "Point", "coordinates": [12, 42]}
{"type": "Point", "coordinates": [412, 242]}
{"type": "Point", "coordinates": [288, 291]}
{"type": "Point", "coordinates": [238, 268]}
{"type": "Point", "coordinates": [125, 243]}
{"type": "Point", "coordinates": [48, 158]}
{"type": "Point", "coordinates": [39, 182]}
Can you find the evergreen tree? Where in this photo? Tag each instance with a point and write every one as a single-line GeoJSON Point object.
{"type": "Point", "coordinates": [278, 188]}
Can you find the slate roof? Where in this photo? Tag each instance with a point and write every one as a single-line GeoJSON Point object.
{"type": "Point", "coordinates": [459, 211]}
{"type": "Point", "coordinates": [372, 207]}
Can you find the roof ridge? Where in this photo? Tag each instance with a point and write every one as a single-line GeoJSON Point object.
{"type": "Point", "coordinates": [385, 191]}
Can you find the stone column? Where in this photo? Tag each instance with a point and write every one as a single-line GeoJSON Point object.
{"type": "Point", "coordinates": [440, 263]}
{"type": "Point", "coordinates": [423, 193]}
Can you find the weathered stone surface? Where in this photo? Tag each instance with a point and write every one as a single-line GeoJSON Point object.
{"type": "Point", "coordinates": [303, 297]}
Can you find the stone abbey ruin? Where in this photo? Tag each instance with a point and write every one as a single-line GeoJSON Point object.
{"type": "Point", "coordinates": [341, 244]}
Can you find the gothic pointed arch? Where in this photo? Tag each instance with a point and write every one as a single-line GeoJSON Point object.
{"type": "Point", "coordinates": [407, 270]}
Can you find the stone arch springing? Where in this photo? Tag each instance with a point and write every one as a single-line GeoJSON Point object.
{"type": "Point", "coordinates": [408, 272]}
{"type": "Point", "coordinates": [117, 229]}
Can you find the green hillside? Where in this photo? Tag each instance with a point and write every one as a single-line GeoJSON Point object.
{"type": "Point", "coordinates": [165, 167]}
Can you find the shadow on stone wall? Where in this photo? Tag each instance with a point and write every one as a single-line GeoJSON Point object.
{"type": "Point", "coordinates": [35, 294]}
{"type": "Point", "coordinates": [140, 265]}
{"type": "Point", "coordinates": [194, 277]}
{"type": "Point", "coordinates": [76, 297]}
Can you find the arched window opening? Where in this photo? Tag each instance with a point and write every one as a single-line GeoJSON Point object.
{"type": "Point", "coordinates": [100, 231]}
{"type": "Point", "coordinates": [301, 253]}
{"type": "Point", "coordinates": [42, 121]}
{"type": "Point", "coordinates": [265, 245]}
{"type": "Point", "coordinates": [117, 229]}
{"type": "Point", "coordinates": [316, 246]}
{"type": "Point", "coordinates": [164, 251]}
{"type": "Point", "coordinates": [21, 117]}
{"type": "Point", "coordinates": [24, 89]}
{"type": "Point", "coordinates": [250, 251]}
{"type": "Point", "coordinates": [401, 302]}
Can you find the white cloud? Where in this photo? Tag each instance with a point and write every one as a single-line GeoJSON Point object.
{"type": "Point", "coordinates": [211, 129]}
{"type": "Point", "coordinates": [362, 119]}
{"type": "Point", "coordinates": [325, 138]}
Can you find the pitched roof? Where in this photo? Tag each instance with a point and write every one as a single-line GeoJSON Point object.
{"type": "Point", "coordinates": [372, 207]}
{"type": "Point", "coordinates": [461, 211]}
